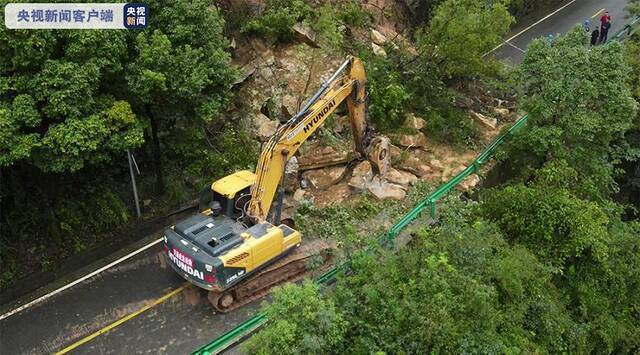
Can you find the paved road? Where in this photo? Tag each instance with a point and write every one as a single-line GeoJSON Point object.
{"type": "Point", "coordinates": [184, 320]}
{"type": "Point", "coordinates": [561, 22]}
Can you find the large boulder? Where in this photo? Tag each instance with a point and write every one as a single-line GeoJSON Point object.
{"type": "Point", "coordinates": [305, 34]}
{"type": "Point", "coordinates": [379, 51]}
{"type": "Point", "coordinates": [263, 127]}
{"type": "Point", "coordinates": [291, 175]}
{"type": "Point", "coordinates": [316, 156]}
{"type": "Point", "coordinates": [415, 166]}
{"type": "Point", "coordinates": [489, 122]}
{"type": "Point", "coordinates": [334, 194]}
{"type": "Point", "coordinates": [414, 122]}
{"type": "Point", "coordinates": [402, 178]}
{"type": "Point", "coordinates": [325, 177]}
{"type": "Point", "coordinates": [502, 112]}
{"type": "Point", "coordinates": [383, 189]}
{"type": "Point", "coordinates": [377, 37]}
{"type": "Point", "coordinates": [416, 140]}
{"type": "Point", "coordinates": [289, 105]}
{"type": "Point", "coordinates": [362, 174]}
{"type": "Point", "coordinates": [469, 182]}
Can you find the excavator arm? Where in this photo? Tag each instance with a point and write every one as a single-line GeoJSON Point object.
{"type": "Point", "coordinates": [289, 137]}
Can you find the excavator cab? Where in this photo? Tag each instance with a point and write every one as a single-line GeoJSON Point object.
{"type": "Point", "coordinates": [228, 195]}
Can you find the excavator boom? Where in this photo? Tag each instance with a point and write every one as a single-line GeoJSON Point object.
{"type": "Point", "coordinates": [289, 137]}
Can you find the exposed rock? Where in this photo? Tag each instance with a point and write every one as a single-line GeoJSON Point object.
{"type": "Point", "coordinates": [379, 51]}
{"type": "Point", "coordinates": [487, 121]}
{"type": "Point", "coordinates": [436, 164]}
{"type": "Point", "coordinates": [232, 44]}
{"type": "Point", "coordinates": [415, 166]}
{"type": "Point", "coordinates": [400, 177]}
{"type": "Point", "coordinates": [291, 175]}
{"type": "Point", "coordinates": [318, 157]}
{"type": "Point", "coordinates": [414, 122]}
{"type": "Point", "coordinates": [261, 48]}
{"type": "Point", "coordinates": [416, 140]}
{"type": "Point", "coordinates": [361, 176]}
{"type": "Point", "coordinates": [395, 152]}
{"type": "Point", "coordinates": [382, 189]}
{"type": "Point", "coordinates": [298, 196]}
{"type": "Point", "coordinates": [363, 179]}
{"type": "Point", "coordinates": [501, 112]}
{"type": "Point", "coordinates": [146, 203]}
{"type": "Point", "coordinates": [245, 72]}
{"type": "Point", "coordinates": [377, 37]}
{"type": "Point", "coordinates": [334, 194]}
{"type": "Point", "coordinates": [470, 182]}
{"type": "Point", "coordinates": [263, 127]}
{"type": "Point", "coordinates": [325, 177]}
{"type": "Point", "coordinates": [289, 105]}
{"type": "Point", "coordinates": [305, 34]}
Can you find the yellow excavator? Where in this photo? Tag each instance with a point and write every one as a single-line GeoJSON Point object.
{"type": "Point", "coordinates": [236, 247]}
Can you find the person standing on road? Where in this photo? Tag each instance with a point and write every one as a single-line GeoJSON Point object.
{"type": "Point", "coordinates": [605, 18]}
{"type": "Point", "coordinates": [594, 37]}
{"type": "Point", "coordinates": [604, 30]}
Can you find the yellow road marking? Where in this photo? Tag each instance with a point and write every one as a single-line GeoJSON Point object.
{"type": "Point", "coordinates": [597, 13]}
{"type": "Point", "coordinates": [122, 320]}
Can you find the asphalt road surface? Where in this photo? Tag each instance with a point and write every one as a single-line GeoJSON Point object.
{"type": "Point", "coordinates": [141, 306]}
{"type": "Point", "coordinates": [572, 13]}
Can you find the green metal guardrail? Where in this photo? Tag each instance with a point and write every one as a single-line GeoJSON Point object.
{"type": "Point", "coordinates": [255, 322]}
{"type": "Point", "coordinates": [629, 29]}
{"type": "Point", "coordinates": [430, 200]}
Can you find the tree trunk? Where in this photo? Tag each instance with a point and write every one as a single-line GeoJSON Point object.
{"type": "Point", "coordinates": [155, 146]}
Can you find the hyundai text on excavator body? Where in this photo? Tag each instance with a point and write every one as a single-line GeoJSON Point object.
{"type": "Point", "coordinates": [234, 247]}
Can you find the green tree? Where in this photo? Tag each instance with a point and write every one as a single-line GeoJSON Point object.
{"type": "Point", "coordinates": [181, 73]}
{"type": "Point", "coordinates": [302, 322]}
{"type": "Point", "coordinates": [461, 32]}
{"type": "Point", "coordinates": [53, 109]}
{"type": "Point", "coordinates": [579, 108]}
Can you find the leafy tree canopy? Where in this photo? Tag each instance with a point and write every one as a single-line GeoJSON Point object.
{"type": "Point", "coordinates": [579, 108]}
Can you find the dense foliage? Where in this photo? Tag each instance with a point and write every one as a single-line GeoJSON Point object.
{"type": "Point", "coordinates": [72, 102]}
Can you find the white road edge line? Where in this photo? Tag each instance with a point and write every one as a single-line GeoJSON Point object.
{"type": "Point", "coordinates": [514, 46]}
{"type": "Point", "coordinates": [88, 276]}
{"type": "Point", "coordinates": [530, 27]}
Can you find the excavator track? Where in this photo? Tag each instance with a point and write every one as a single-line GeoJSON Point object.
{"type": "Point", "coordinates": [289, 268]}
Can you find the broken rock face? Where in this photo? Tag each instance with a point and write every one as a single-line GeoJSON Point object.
{"type": "Point", "coordinates": [326, 177]}
{"type": "Point", "coordinates": [379, 51]}
{"type": "Point", "coordinates": [317, 157]}
{"type": "Point", "coordinates": [489, 122]}
{"type": "Point", "coordinates": [334, 194]}
{"type": "Point", "coordinates": [415, 166]}
{"type": "Point", "coordinates": [263, 127]}
{"type": "Point", "coordinates": [414, 122]}
{"type": "Point", "coordinates": [361, 175]}
{"type": "Point", "coordinates": [363, 179]}
{"type": "Point", "coordinates": [291, 175]}
{"type": "Point", "coordinates": [402, 178]}
{"type": "Point", "coordinates": [305, 34]}
{"type": "Point", "coordinates": [377, 37]}
{"type": "Point", "coordinates": [382, 189]}
{"type": "Point", "coordinates": [417, 140]}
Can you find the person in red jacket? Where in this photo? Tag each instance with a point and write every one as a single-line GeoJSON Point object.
{"type": "Point", "coordinates": [605, 18]}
